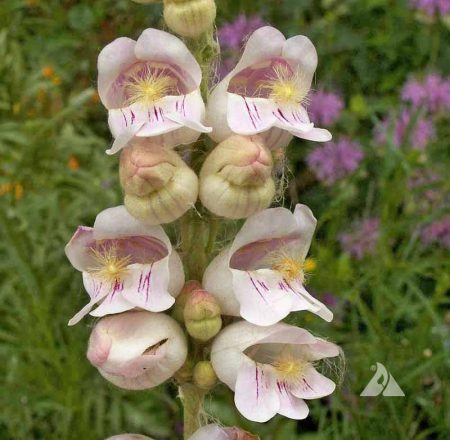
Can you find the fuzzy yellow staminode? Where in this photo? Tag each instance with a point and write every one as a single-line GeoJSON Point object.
{"type": "Point", "coordinates": [285, 86]}
{"type": "Point", "coordinates": [150, 87]}
{"type": "Point", "coordinates": [109, 266]}
{"type": "Point", "coordinates": [289, 267]}
{"type": "Point", "coordinates": [289, 368]}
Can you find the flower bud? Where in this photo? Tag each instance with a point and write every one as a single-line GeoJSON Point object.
{"type": "Point", "coordinates": [236, 178]}
{"type": "Point", "coordinates": [202, 315]}
{"type": "Point", "coordinates": [180, 302]}
{"type": "Point", "coordinates": [137, 350]}
{"type": "Point", "coordinates": [204, 375]}
{"type": "Point", "coordinates": [159, 187]}
{"type": "Point", "coordinates": [189, 18]}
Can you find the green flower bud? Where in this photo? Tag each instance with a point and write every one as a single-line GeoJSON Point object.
{"type": "Point", "coordinates": [158, 186]}
{"type": "Point", "coordinates": [239, 170]}
{"type": "Point", "coordinates": [180, 303]}
{"type": "Point", "coordinates": [204, 375]}
{"type": "Point", "coordinates": [189, 18]}
{"type": "Point", "coordinates": [202, 315]}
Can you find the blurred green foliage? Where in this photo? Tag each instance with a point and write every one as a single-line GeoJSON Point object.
{"type": "Point", "coordinates": [54, 175]}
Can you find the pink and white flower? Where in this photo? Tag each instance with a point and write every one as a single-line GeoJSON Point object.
{"type": "Point", "coordinates": [207, 432]}
{"type": "Point", "coordinates": [137, 350]}
{"type": "Point", "coordinates": [266, 92]}
{"type": "Point", "coordinates": [260, 276]}
{"type": "Point", "coordinates": [151, 88]}
{"type": "Point", "coordinates": [271, 369]}
{"type": "Point", "coordinates": [125, 264]}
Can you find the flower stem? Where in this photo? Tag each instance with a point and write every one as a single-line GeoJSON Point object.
{"type": "Point", "coordinates": [192, 399]}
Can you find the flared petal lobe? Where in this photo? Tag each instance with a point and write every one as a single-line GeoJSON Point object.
{"type": "Point", "coordinates": [151, 89]}
{"type": "Point", "coordinates": [125, 264]}
{"type": "Point", "coordinates": [271, 368]}
{"type": "Point", "coordinates": [262, 272]}
{"type": "Point", "coordinates": [266, 93]}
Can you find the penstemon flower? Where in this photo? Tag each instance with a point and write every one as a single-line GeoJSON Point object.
{"type": "Point", "coordinates": [271, 369]}
{"type": "Point", "coordinates": [208, 432]}
{"type": "Point", "coordinates": [151, 88]}
{"type": "Point", "coordinates": [267, 91]}
{"type": "Point", "coordinates": [260, 275]}
{"type": "Point", "coordinates": [137, 350]}
{"type": "Point", "coordinates": [125, 264]}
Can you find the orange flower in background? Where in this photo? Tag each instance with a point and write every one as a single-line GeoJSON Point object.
{"type": "Point", "coordinates": [18, 191]}
{"type": "Point", "coordinates": [73, 163]}
{"type": "Point", "coordinates": [47, 72]}
{"type": "Point", "coordinates": [5, 188]}
{"type": "Point", "coordinates": [10, 187]}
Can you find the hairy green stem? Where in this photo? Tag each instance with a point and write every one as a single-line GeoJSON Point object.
{"type": "Point", "coordinates": [192, 399]}
{"type": "Point", "coordinates": [198, 232]}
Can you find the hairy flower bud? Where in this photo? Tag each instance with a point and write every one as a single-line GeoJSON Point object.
{"type": "Point", "coordinates": [202, 315]}
{"type": "Point", "coordinates": [137, 350]}
{"type": "Point", "coordinates": [236, 178]}
{"type": "Point", "coordinates": [159, 187]}
{"type": "Point", "coordinates": [189, 18]}
{"type": "Point", "coordinates": [180, 303]}
{"type": "Point", "coordinates": [204, 375]}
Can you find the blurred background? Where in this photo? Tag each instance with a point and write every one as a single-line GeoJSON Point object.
{"type": "Point", "coordinates": [380, 190]}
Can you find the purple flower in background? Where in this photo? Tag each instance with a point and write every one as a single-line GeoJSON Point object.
{"type": "Point", "coordinates": [362, 240]}
{"type": "Point", "coordinates": [432, 7]}
{"type": "Point", "coordinates": [437, 232]}
{"type": "Point", "coordinates": [335, 160]}
{"type": "Point", "coordinates": [427, 186]}
{"type": "Point", "coordinates": [421, 133]}
{"type": "Point", "coordinates": [232, 35]}
{"type": "Point", "coordinates": [433, 92]}
{"type": "Point", "coordinates": [325, 108]}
